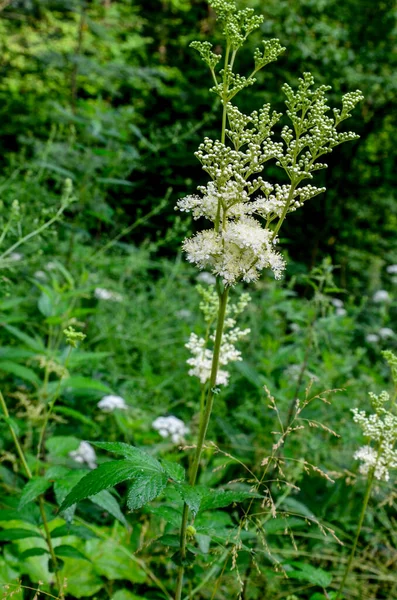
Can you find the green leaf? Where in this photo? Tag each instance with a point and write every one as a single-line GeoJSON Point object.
{"type": "Point", "coordinates": [45, 305]}
{"type": "Point", "coordinates": [61, 445]}
{"type": "Point", "coordinates": [65, 551]}
{"type": "Point", "coordinates": [34, 488]}
{"type": "Point", "coordinates": [75, 414]}
{"type": "Point", "coordinates": [174, 471]}
{"type": "Point", "coordinates": [111, 560]}
{"type": "Point", "coordinates": [33, 552]}
{"type": "Point", "coordinates": [192, 496]}
{"type": "Point", "coordinates": [9, 535]}
{"type": "Point", "coordinates": [85, 385]}
{"type": "Point", "coordinates": [221, 498]}
{"type": "Point", "coordinates": [184, 561]}
{"type": "Point", "coordinates": [139, 457]}
{"type": "Point", "coordinates": [106, 501]}
{"type": "Point", "coordinates": [145, 488]}
{"type": "Point", "coordinates": [20, 371]}
{"type": "Point", "coordinates": [77, 530]}
{"type": "Point", "coordinates": [311, 574]}
{"type": "Point", "coordinates": [126, 595]}
{"type": "Point", "coordinates": [102, 478]}
{"type": "Point", "coordinates": [171, 515]}
{"type": "Point", "coordinates": [34, 344]}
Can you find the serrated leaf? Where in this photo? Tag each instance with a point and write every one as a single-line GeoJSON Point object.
{"type": "Point", "coordinates": [311, 574]}
{"type": "Point", "coordinates": [106, 501]}
{"type": "Point", "coordinates": [137, 456]}
{"type": "Point", "coordinates": [191, 495]}
{"type": "Point", "coordinates": [34, 488]}
{"type": "Point", "coordinates": [65, 551]}
{"type": "Point", "coordinates": [145, 488]}
{"type": "Point", "coordinates": [221, 498]}
{"type": "Point", "coordinates": [168, 514]}
{"type": "Point", "coordinates": [33, 552]}
{"type": "Point", "coordinates": [9, 535]}
{"type": "Point", "coordinates": [20, 371]}
{"type": "Point", "coordinates": [174, 470]}
{"type": "Point", "coordinates": [77, 530]}
{"type": "Point", "coordinates": [102, 478]}
{"type": "Point", "coordinates": [183, 561]}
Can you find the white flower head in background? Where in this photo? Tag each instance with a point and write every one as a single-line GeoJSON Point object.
{"type": "Point", "coordinates": [337, 302]}
{"type": "Point", "coordinates": [15, 256]}
{"type": "Point", "coordinates": [341, 312]}
{"type": "Point", "coordinates": [111, 402]}
{"type": "Point", "coordinates": [392, 269]}
{"type": "Point", "coordinates": [171, 427]}
{"type": "Point", "coordinates": [381, 296]}
{"type": "Point", "coordinates": [40, 275]}
{"type": "Point", "coordinates": [85, 454]}
{"type": "Point", "coordinates": [184, 314]}
{"type": "Point", "coordinates": [385, 332]}
{"type": "Point", "coordinates": [372, 338]}
{"type": "Point", "coordinates": [206, 277]}
{"type": "Point", "coordinates": [104, 294]}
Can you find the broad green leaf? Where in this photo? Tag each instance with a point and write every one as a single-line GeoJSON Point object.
{"type": "Point", "coordinates": [311, 574]}
{"type": "Point", "coordinates": [280, 524]}
{"type": "Point", "coordinates": [111, 560]}
{"type": "Point", "coordinates": [56, 471]}
{"type": "Point", "coordinates": [137, 456]}
{"type": "Point", "coordinates": [82, 580]}
{"type": "Point", "coordinates": [33, 343]}
{"type": "Point", "coordinates": [145, 488]}
{"type": "Point", "coordinates": [33, 552]}
{"type": "Point", "coordinates": [174, 470]}
{"type": "Point", "coordinates": [8, 535]}
{"type": "Point", "coordinates": [20, 371]}
{"type": "Point", "coordinates": [221, 498]}
{"type": "Point", "coordinates": [102, 478]}
{"type": "Point", "coordinates": [126, 595]}
{"type": "Point", "coordinates": [191, 495]}
{"type": "Point", "coordinates": [171, 515]}
{"type": "Point", "coordinates": [75, 414]}
{"type": "Point", "coordinates": [77, 530]}
{"type": "Point", "coordinates": [85, 385]}
{"type": "Point", "coordinates": [61, 445]}
{"type": "Point", "coordinates": [106, 501]}
{"type": "Point", "coordinates": [34, 488]}
{"type": "Point", "coordinates": [63, 486]}
{"type": "Point", "coordinates": [46, 305]}
{"type": "Point", "coordinates": [65, 551]}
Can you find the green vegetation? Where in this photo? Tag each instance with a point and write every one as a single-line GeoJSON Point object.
{"type": "Point", "coordinates": [117, 481]}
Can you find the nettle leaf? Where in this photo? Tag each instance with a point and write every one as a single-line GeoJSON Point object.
{"type": "Point", "coordinates": [221, 498]}
{"type": "Point", "coordinates": [65, 551]}
{"type": "Point", "coordinates": [145, 488]}
{"type": "Point", "coordinates": [311, 574]}
{"type": "Point", "coordinates": [192, 496]}
{"type": "Point", "coordinates": [78, 530]}
{"type": "Point", "coordinates": [172, 516]}
{"type": "Point", "coordinates": [8, 535]}
{"type": "Point", "coordinates": [106, 501]}
{"type": "Point", "coordinates": [34, 488]}
{"type": "Point", "coordinates": [102, 478]}
{"type": "Point", "coordinates": [20, 371]}
{"type": "Point", "coordinates": [174, 471]}
{"type": "Point", "coordinates": [137, 456]}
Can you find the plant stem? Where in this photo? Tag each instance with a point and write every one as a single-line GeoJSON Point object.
{"type": "Point", "coordinates": [359, 526]}
{"type": "Point", "coordinates": [41, 500]}
{"type": "Point", "coordinates": [203, 431]}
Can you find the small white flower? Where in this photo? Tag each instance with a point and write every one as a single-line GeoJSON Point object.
{"type": "Point", "coordinates": [372, 338]}
{"type": "Point", "coordinates": [171, 427]}
{"type": "Point", "coordinates": [392, 269]}
{"type": "Point", "coordinates": [111, 402]}
{"type": "Point", "coordinates": [205, 277]}
{"type": "Point", "coordinates": [295, 327]}
{"type": "Point", "coordinates": [51, 266]}
{"type": "Point", "coordinates": [385, 332]}
{"type": "Point", "coordinates": [340, 312]}
{"type": "Point", "coordinates": [381, 296]}
{"type": "Point", "coordinates": [184, 313]}
{"type": "Point", "coordinates": [103, 294]}
{"type": "Point", "coordinates": [85, 454]}
{"type": "Point", "coordinates": [337, 302]}
{"type": "Point", "coordinates": [15, 256]}
{"type": "Point", "coordinates": [40, 275]}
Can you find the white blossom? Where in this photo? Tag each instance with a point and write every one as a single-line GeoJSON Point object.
{"type": "Point", "coordinates": [104, 294]}
{"type": "Point", "coordinates": [184, 313]}
{"type": "Point", "coordinates": [386, 332]}
{"type": "Point", "coordinates": [340, 312]}
{"type": "Point", "coordinates": [372, 338]}
{"type": "Point", "coordinates": [171, 427]}
{"type": "Point", "coordinates": [337, 302]}
{"type": "Point", "coordinates": [111, 402]}
{"type": "Point", "coordinates": [15, 256]}
{"type": "Point", "coordinates": [381, 296]}
{"type": "Point", "coordinates": [85, 454]}
{"type": "Point", "coordinates": [205, 277]}
{"type": "Point", "coordinates": [40, 275]}
{"type": "Point", "coordinates": [392, 269]}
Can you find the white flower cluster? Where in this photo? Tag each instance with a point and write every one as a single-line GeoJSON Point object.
{"type": "Point", "coordinates": [384, 333]}
{"type": "Point", "coordinates": [381, 296]}
{"type": "Point", "coordinates": [85, 454]}
{"type": "Point", "coordinates": [381, 428]}
{"type": "Point", "coordinates": [171, 427]}
{"type": "Point", "coordinates": [392, 269]}
{"type": "Point", "coordinates": [111, 402]}
{"type": "Point", "coordinates": [104, 294]}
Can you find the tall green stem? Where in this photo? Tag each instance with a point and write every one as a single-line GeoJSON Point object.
{"type": "Point", "coordinates": [202, 432]}
{"type": "Point", "coordinates": [28, 472]}
{"type": "Point", "coordinates": [359, 526]}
